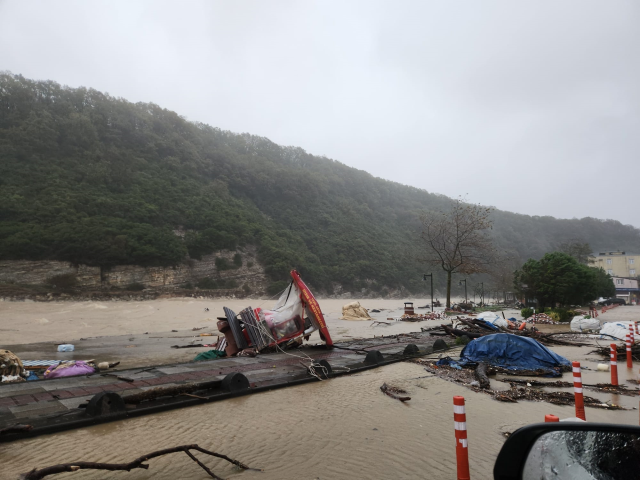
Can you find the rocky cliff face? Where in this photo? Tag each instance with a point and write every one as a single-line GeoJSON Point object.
{"type": "Point", "coordinates": [250, 275]}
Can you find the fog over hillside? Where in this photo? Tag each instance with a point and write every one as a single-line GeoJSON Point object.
{"type": "Point", "coordinates": [89, 178]}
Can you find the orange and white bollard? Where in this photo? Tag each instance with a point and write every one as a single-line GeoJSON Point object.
{"type": "Point", "coordinates": [577, 390]}
{"type": "Point", "coordinates": [462, 450]}
{"type": "Point", "coordinates": [628, 344]}
{"type": "Point", "coordinates": [551, 418]}
{"type": "Point", "coordinates": [631, 334]}
{"type": "Point", "coordinates": [637, 329]}
{"type": "Point", "coordinates": [614, 364]}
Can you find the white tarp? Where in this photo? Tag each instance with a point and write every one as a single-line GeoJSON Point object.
{"type": "Point", "coordinates": [615, 329]}
{"type": "Point", "coordinates": [580, 324]}
{"type": "Point", "coordinates": [288, 306]}
{"type": "Point", "coordinates": [494, 318]}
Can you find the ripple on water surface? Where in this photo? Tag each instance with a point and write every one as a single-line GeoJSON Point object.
{"type": "Point", "coordinates": [341, 428]}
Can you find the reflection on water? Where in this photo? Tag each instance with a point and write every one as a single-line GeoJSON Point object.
{"type": "Point", "coordinates": [341, 428]}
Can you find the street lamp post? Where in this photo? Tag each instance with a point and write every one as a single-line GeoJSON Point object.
{"type": "Point", "coordinates": [430, 275]}
{"type": "Point", "coordinates": [465, 289]}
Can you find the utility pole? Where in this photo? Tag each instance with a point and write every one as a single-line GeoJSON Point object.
{"type": "Point", "coordinates": [430, 275]}
{"type": "Point", "coordinates": [465, 289]}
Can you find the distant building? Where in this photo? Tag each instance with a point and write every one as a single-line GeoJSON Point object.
{"type": "Point", "coordinates": [617, 264]}
{"type": "Point", "coordinates": [627, 288]}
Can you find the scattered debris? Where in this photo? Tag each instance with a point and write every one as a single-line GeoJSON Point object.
{"type": "Point", "coordinates": [481, 375]}
{"type": "Point", "coordinates": [354, 311]}
{"type": "Point", "coordinates": [417, 317]}
{"type": "Point", "coordinates": [536, 383]}
{"type": "Point", "coordinates": [615, 389]}
{"type": "Point", "coordinates": [516, 393]}
{"type": "Point", "coordinates": [394, 392]}
{"type": "Point", "coordinates": [37, 474]}
{"type": "Point", "coordinates": [209, 355]}
{"type": "Point", "coordinates": [124, 379]}
{"type": "Point", "coordinates": [11, 368]}
{"type": "Point", "coordinates": [70, 368]}
{"type": "Point", "coordinates": [519, 389]}
{"type": "Point", "coordinates": [294, 318]}
{"type": "Point", "coordinates": [541, 318]}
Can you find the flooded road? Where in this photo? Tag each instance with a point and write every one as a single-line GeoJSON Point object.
{"type": "Point", "coordinates": [29, 322]}
{"type": "Point", "coordinates": [344, 428]}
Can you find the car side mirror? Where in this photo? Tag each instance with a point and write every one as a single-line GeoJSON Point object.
{"type": "Point", "coordinates": [570, 450]}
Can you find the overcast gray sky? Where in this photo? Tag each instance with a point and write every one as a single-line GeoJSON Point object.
{"type": "Point", "coordinates": [530, 106]}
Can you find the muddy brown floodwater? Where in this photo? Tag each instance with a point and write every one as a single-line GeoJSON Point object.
{"type": "Point", "coordinates": [344, 428]}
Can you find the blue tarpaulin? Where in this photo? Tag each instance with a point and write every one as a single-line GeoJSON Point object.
{"type": "Point", "coordinates": [513, 352]}
{"type": "Point", "coordinates": [449, 362]}
{"type": "Point", "coordinates": [489, 324]}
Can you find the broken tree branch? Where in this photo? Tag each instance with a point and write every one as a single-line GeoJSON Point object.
{"type": "Point", "coordinates": [393, 392]}
{"type": "Point", "coordinates": [37, 474]}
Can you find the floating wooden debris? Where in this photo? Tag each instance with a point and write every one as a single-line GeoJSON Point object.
{"type": "Point", "coordinates": [394, 392]}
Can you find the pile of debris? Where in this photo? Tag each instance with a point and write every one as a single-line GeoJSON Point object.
{"type": "Point", "coordinates": [476, 378]}
{"type": "Point", "coordinates": [621, 349]}
{"type": "Point", "coordinates": [417, 317]}
{"type": "Point", "coordinates": [541, 318]}
{"type": "Point", "coordinates": [476, 328]}
{"type": "Point", "coordinates": [293, 319]}
{"type": "Point", "coordinates": [11, 368]}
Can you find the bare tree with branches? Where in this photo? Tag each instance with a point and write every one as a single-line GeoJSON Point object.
{"type": "Point", "coordinates": [456, 240]}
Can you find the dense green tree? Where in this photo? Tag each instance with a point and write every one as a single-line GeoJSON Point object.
{"type": "Point", "coordinates": [90, 178]}
{"type": "Point", "coordinates": [557, 279]}
{"type": "Point", "coordinates": [578, 250]}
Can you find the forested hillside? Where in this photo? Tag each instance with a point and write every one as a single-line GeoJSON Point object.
{"type": "Point", "coordinates": [93, 179]}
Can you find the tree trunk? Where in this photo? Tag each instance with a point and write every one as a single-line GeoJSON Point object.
{"type": "Point", "coordinates": [449, 289]}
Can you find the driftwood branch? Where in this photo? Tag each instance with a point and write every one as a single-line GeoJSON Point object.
{"type": "Point", "coordinates": [37, 474]}
{"type": "Point", "coordinates": [459, 333]}
{"type": "Point", "coordinates": [393, 392]}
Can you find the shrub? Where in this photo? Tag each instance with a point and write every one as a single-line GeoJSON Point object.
{"type": "Point", "coordinates": [213, 284]}
{"type": "Point", "coordinates": [224, 264]}
{"type": "Point", "coordinates": [135, 287]}
{"type": "Point", "coordinates": [563, 315]}
{"type": "Point", "coordinates": [277, 287]}
{"type": "Point", "coordinates": [188, 286]}
{"type": "Point", "coordinates": [249, 264]}
{"type": "Point", "coordinates": [207, 283]}
{"type": "Point", "coordinates": [237, 260]}
{"type": "Point", "coordinates": [64, 282]}
{"type": "Point", "coordinates": [526, 312]}
{"type": "Point", "coordinates": [246, 288]}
